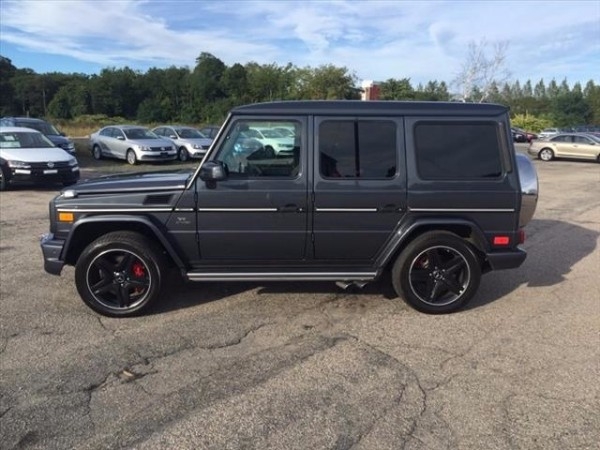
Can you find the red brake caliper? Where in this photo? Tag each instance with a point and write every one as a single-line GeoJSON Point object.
{"type": "Point", "coordinates": [138, 272]}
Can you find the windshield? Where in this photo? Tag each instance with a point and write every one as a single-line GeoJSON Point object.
{"type": "Point", "coordinates": [42, 127]}
{"type": "Point", "coordinates": [189, 133]}
{"type": "Point", "coordinates": [24, 139]}
{"type": "Point", "coordinates": [139, 133]}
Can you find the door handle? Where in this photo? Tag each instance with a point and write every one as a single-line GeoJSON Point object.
{"type": "Point", "coordinates": [389, 208]}
{"type": "Point", "coordinates": [290, 208]}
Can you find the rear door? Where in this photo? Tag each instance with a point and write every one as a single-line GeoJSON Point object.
{"type": "Point", "coordinates": [359, 187]}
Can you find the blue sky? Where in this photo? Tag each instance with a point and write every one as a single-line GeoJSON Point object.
{"type": "Point", "coordinates": [375, 40]}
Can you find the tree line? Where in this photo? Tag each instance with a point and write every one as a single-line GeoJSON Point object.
{"type": "Point", "coordinates": [206, 92]}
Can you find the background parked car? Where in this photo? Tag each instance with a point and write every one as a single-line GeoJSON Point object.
{"type": "Point", "coordinates": [190, 142]}
{"type": "Point", "coordinates": [547, 132]}
{"type": "Point", "coordinates": [567, 145]}
{"type": "Point", "coordinates": [28, 155]}
{"type": "Point", "coordinates": [46, 128]}
{"type": "Point", "coordinates": [520, 135]}
{"type": "Point", "coordinates": [271, 138]}
{"type": "Point", "coordinates": [131, 143]}
{"type": "Point", "coordinates": [210, 131]}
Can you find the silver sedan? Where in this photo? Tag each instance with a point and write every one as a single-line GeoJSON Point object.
{"type": "Point", "coordinates": [190, 142]}
{"type": "Point", "coordinates": [131, 143]}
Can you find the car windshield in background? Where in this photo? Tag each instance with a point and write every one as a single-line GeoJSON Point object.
{"type": "Point", "coordinates": [42, 127]}
{"type": "Point", "coordinates": [189, 133]}
{"type": "Point", "coordinates": [139, 133]}
{"type": "Point", "coordinates": [269, 133]}
{"type": "Point", "coordinates": [24, 140]}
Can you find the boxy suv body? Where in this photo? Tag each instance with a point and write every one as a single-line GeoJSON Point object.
{"type": "Point", "coordinates": [431, 191]}
{"type": "Point", "coordinates": [46, 128]}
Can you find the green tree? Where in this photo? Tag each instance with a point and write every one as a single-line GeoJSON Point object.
{"type": "Point", "coordinates": [393, 89]}
{"type": "Point", "coordinates": [570, 109]}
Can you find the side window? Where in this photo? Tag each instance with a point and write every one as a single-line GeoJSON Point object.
{"type": "Point", "coordinates": [564, 138]}
{"type": "Point", "coordinates": [458, 150]}
{"type": "Point", "coordinates": [582, 140]}
{"type": "Point", "coordinates": [160, 131]}
{"type": "Point", "coordinates": [106, 132]}
{"type": "Point", "coordinates": [357, 149]}
{"type": "Point", "coordinates": [249, 154]}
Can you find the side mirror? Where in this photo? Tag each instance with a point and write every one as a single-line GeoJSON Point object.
{"type": "Point", "coordinates": [121, 138]}
{"type": "Point", "coordinates": [212, 171]}
{"type": "Point", "coordinates": [172, 136]}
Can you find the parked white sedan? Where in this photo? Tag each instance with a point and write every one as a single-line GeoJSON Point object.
{"type": "Point", "coordinates": [131, 143]}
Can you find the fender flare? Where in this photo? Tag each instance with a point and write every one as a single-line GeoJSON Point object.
{"type": "Point", "coordinates": [141, 220]}
{"type": "Point", "coordinates": [406, 231]}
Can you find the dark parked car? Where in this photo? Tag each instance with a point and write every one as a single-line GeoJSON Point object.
{"type": "Point", "coordinates": [430, 192]}
{"type": "Point", "coordinates": [520, 135]}
{"type": "Point", "coordinates": [46, 128]}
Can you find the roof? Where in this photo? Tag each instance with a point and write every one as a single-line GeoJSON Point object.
{"type": "Point", "coordinates": [375, 108]}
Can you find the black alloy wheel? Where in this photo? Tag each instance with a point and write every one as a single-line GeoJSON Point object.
{"type": "Point", "coordinates": [119, 274]}
{"type": "Point", "coordinates": [437, 273]}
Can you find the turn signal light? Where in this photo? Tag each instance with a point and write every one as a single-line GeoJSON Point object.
{"type": "Point", "coordinates": [501, 240]}
{"type": "Point", "coordinates": [66, 217]}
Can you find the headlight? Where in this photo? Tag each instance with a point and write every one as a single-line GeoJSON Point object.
{"type": "Point", "coordinates": [19, 165]}
{"type": "Point", "coordinates": [72, 162]}
{"type": "Point", "coordinates": [143, 148]}
{"type": "Point", "coordinates": [196, 146]}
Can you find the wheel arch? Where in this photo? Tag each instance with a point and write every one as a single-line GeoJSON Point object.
{"type": "Point", "coordinates": [89, 229]}
{"type": "Point", "coordinates": [460, 227]}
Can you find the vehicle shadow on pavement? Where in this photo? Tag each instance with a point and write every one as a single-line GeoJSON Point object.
{"type": "Point", "coordinates": [553, 248]}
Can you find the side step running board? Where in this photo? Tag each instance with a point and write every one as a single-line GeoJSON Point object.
{"type": "Point", "coordinates": [282, 276]}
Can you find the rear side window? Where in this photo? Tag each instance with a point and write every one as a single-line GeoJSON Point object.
{"type": "Point", "coordinates": [357, 149]}
{"type": "Point", "coordinates": [458, 150]}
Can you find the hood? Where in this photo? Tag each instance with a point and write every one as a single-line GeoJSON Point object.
{"type": "Point", "coordinates": [197, 141]}
{"type": "Point", "coordinates": [57, 139]}
{"type": "Point", "coordinates": [135, 182]}
{"type": "Point", "coordinates": [36, 155]}
{"type": "Point", "coordinates": [152, 142]}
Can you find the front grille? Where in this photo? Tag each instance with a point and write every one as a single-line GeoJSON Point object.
{"type": "Point", "coordinates": [45, 166]}
{"type": "Point", "coordinates": [160, 149]}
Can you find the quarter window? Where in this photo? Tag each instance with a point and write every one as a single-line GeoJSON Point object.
{"type": "Point", "coordinates": [357, 149]}
{"type": "Point", "coordinates": [458, 150]}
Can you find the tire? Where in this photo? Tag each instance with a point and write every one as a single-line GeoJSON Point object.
{"type": "Point", "coordinates": [437, 273]}
{"type": "Point", "coordinates": [131, 158]}
{"type": "Point", "coordinates": [119, 274]}
{"type": "Point", "coordinates": [546, 154]}
{"type": "Point", "coordinates": [183, 154]}
{"type": "Point", "coordinates": [97, 152]}
{"type": "Point", "coordinates": [3, 180]}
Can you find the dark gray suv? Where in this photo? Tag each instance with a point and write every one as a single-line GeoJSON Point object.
{"type": "Point", "coordinates": [431, 192]}
{"type": "Point", "coordinates": [46, 128]}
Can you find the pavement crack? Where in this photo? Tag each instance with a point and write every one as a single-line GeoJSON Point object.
{"type": "Point", "coordinates": [235, 341]}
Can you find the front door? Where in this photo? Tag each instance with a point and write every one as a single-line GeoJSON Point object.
{"type": "Point", "coordinates": [258, 215]}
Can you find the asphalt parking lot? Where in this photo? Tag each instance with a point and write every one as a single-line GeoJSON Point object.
{"type": "Point", "coordinates": [307, 365]}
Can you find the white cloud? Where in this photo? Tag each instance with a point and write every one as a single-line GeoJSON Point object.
{"type": "Point", "coordinates": [375, 39]}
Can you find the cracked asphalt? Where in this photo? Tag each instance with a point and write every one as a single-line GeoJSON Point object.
{"type": "Point", "coordinates": [307, 365]}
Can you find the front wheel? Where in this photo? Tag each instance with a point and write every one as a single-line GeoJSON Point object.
{"type": "Point", "coordinates": [546, 154]}
{"type": "Point", "coordinates": [119, 274]}
{"type": "Point", "coordinates": [3, 180]}
{"type": "Point", "coordinates": [183, 154]}
{"type": "Point", "coordinates": [437, 273]}
{"type": "Point", "coordinates": [97, 153]}
{"type": "Point", "coordinates": [131, 158]}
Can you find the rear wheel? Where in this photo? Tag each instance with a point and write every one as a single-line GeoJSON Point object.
{"type": "Point", "coordinates": [437, 273]}
{"type": "Point", "coordinates": [119, 274]}
{"type": "Point", "coordinates": [131, 158]}
{"type": "Point", "coordinates": [546, 154]}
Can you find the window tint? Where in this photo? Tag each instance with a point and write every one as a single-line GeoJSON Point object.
{"type": "Point", "coordinates": [357, 149]}
{"type": "Point", "coordinates": [457, 150]}
{"type": "Point", "coordinates": [563, 138]}
{"type": "Point", "coordinates": [248, 156]}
